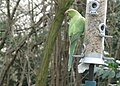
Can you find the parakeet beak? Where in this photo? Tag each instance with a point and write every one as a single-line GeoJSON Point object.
{"type": "Point", "coordinates": [65, 13]}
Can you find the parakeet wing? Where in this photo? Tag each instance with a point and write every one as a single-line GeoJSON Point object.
{"type": "Point", "coordinates": [76, 28]}
{"type": "Point", "coordinates": [76, 25]}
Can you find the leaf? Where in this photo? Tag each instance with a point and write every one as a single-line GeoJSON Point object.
{"type": "Point", "coordinates": [118, 75]}
{"type": "Point", "coordinates": [100, 72]}
{"type": "Point", "coordinates": [111, 74]}
{"type": "Point", "coordinates": [105, 74]}
{"type": "Point", "coordinates": [108, 73]}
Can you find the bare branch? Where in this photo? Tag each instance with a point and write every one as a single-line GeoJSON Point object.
{"type": "Point", "coordinates": [15, 8]}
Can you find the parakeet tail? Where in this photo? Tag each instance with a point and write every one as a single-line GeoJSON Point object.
{"type": "Point", "coordinates": [71, 51]}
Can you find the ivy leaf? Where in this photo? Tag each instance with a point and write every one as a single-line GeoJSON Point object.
{"type": "Point", "coordinates": [105, 74]}
{"type": "Point", "coordinates": [118, 75]}
{"type": "Point", "coordinates": [111, 73]}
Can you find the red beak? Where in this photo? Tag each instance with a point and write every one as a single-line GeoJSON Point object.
{"type": "Point", "coordinates": [65, 13]}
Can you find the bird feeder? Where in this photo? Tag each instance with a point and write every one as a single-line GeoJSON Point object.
{"type": "Point", "coordinates": [95, 31]}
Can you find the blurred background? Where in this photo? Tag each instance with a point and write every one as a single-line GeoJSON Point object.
{"type": "Point", "coordinates": [24, 26]}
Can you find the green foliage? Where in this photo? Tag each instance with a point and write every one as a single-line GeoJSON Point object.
{"type": "Point", "coordinates": [3, 26]}
{"type": "Point", "coordinates": [112, 64]}
{"type": "Point", "coordinates": [118, 75]}
{"type": "Point", "coordinates": [108, 71]}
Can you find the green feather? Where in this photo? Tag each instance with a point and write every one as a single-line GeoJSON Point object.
{"type": "Point", "coordinates": [71, 51]}
{"type": "Point", "coordinates": [75, 32]}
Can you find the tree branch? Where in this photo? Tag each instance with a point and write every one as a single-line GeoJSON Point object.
{"type": "Point", "coordinates": [15, 8]}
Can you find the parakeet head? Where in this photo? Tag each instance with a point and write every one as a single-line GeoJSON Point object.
{"type": "Point", "coordinates": [72, 12]}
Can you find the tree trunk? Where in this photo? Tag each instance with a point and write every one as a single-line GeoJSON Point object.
{"type": "Point", "coordinates": [42, 73]}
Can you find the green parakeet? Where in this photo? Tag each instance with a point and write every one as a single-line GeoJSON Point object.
{"type": "Point", "coordinates": [76, 30]}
